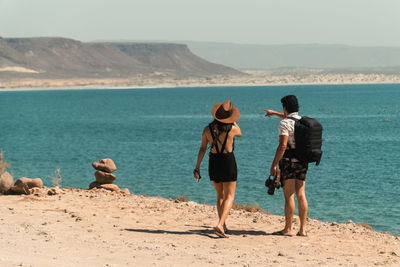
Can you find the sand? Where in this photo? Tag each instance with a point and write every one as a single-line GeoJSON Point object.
{"type": "Point", "coordinates": [254, 78]}
{"type": "Point", "coordinates": [101, 228]}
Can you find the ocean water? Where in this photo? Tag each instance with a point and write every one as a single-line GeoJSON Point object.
{"type": "Point", "coordinates": [153, 135]}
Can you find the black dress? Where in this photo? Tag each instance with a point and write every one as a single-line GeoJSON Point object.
{"type": "Point", "coordinates": [221, 166]}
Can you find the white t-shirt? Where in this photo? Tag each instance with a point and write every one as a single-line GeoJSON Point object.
{"type": "Point", "coordinates": [286, 127]}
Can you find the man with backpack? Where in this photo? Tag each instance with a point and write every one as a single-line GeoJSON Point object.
{"type": "Point", "coordinates": [300, 141]}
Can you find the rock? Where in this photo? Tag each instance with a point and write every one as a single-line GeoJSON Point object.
{"type": "Point", "coordinates": [53, 191]}
{"type": "Point", "coordinates": [36, 191]}
{"type": "Point", "coordinates": [31, 183]}
{"type": "Point", "coordinates": [111, 187]}
{"type": "Point", "coordinates": [22, 185]}
{"type": "Point", "coordinates": [20, 189]}
{"type": "Point", "coordinates": [106, 165]}
{"type": "Point", "coordinates": [94, 185]}
{"type": "Point", "coordinates": [6, 182]}
{"type": "Point", "coordinates": [125, 191]}
{"type": "Point", "coordinates": [104, 177]}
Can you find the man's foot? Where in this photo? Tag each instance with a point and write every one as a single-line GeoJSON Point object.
{"type": "Point", "coordinates": [283, 232]}
{"type": "Point", "coordinates": [301, 233]}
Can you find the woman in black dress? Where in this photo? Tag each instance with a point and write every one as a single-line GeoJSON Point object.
{"type": "Point", "coordinates": [219, 135]}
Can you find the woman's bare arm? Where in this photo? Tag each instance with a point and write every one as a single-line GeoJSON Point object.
{"type": "Point", "coordinates": [202, 150]}
{"type": "Point", "coordinates": [237, 131]}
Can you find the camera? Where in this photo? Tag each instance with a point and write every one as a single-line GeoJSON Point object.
{"type": "Point", "coordinates": [270, 184]}
{"type": "Point", "coordinates": [196, 174]}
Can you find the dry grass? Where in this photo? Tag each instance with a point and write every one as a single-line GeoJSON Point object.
{"type": "Point", "coordinates": [181, 199]}
{"type": "Point", "coordinates": [4, 165]}
{"type": "Point", "coordinates": [57, 178]}
{"type": "Point", "coordinates": [249, 208]}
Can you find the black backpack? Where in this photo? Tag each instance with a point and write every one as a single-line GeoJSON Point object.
{"type": "Point", "coordinates": [308, 138]}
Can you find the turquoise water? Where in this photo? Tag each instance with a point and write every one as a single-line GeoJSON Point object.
{"type": "Point", "coordinates": [154, 135]}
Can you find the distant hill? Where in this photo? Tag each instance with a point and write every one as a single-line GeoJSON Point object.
{"type": "Point", "coordinates": [66, 58]}
{"type": "Point", "coordinates": [343, 57]}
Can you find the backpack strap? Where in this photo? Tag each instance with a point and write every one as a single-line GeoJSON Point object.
{"type": "Point", "coordinates": [290, 152]}
{"type": "Point", "coordinates": [293, 119]}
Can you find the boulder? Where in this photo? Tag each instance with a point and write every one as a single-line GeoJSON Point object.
{"type": "Point", "coordinates": [36, 191]}
{"type": "Point", "coordinates": [125, 191]}
{"type": "Point", "coordinates": [54, 191]}
{"type": "Point", "coordinates": [94, 185]}
{"type": "Point", "coordinates": [6, 182]}
{"type": "Point", "coordinates": [22, 185]}
{"type": "Point", "coordinates": [111, 187]}
{"type": "Point", "coordinates": [31, 183]}
{"type": "Point", "coordinates": [20, 189]}
{"type": "Point", "coordinates": [106, 165]}
{"type": "Point", "coordinates": [104, 177]}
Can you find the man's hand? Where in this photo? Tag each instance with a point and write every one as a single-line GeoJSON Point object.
{"type": "Point", "coordinates": [269, 112]}
{"type": "Point", "coordinates": [278, 178]}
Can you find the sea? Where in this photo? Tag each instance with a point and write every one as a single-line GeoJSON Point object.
{"type": "Point", "coordinates": [153, 135]}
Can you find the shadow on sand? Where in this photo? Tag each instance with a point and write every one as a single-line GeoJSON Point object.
{"type": "Point", "coordinates": [209, 232]}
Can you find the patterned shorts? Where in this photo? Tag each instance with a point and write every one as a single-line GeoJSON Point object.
{"type": "Point", "coordinates": [293, 170]}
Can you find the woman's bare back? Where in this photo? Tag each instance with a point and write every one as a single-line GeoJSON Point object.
{"type": "Point", "coordinates": [234, 132]}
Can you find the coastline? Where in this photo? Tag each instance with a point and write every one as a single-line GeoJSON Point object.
{"type": "Point", "coordinates": [101, 228]}
{"type": "Point", "coordinates": [254, 78]}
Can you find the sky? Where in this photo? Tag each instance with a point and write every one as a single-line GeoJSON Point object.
{"type": "Point", "coordinates": [351, 22]}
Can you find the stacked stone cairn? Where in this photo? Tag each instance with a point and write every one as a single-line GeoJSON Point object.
{"type": "Point", "coordinates": [104, 177]}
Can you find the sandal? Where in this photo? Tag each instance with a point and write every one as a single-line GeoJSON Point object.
{"type": "Point", "coordinates": [220, 234]}
{"type": "Point", "coordinates": [298, 234]}
{"type": "Point", "coordinates": [281, 233]}
{"type": "Point", "coordinates": [226, 230]}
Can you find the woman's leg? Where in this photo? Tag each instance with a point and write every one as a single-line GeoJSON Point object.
{"type": "Point", "coordinates": [220, 197]}
{"type": "Point", "coordinates": [229, 196]}
{"type": "Point", "coordinates": [288, 191]}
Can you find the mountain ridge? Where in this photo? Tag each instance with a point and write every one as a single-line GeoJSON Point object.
{"type": "Point", "coordinates": [335, 57]}
{"type": "Point", "coordinates": [329, 56]}
{"type": "Point", "coordinates": [57, 57]}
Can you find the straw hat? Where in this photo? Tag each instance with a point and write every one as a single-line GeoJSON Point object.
{"type": "Point", "coordinates": [225, 112]}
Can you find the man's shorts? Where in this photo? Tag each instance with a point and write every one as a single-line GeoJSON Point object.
{"type": "Point", "coordinates": [293, 170]}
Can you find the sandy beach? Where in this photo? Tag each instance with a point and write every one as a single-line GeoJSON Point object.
{"type": "Point", "coordinates": [79, 227]}
{"type": "Point", "coordinates": [254, 78]}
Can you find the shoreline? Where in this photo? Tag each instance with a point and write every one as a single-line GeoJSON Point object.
{"type": "Point", "coordinates": [254, 78]}
{"type": "Point", "coordinates": [94, 87]}
{"type": "Point", "coordinates": [83, 227]}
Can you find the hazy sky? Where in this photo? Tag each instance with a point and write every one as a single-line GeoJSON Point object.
{"type": "Point", "coordinates": [354, 22]}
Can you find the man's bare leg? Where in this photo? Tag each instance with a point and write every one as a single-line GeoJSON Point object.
{"type": "Point", "coordinates": [289, 190]}
{"type": "Point", "coordinates": [303, 205]}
